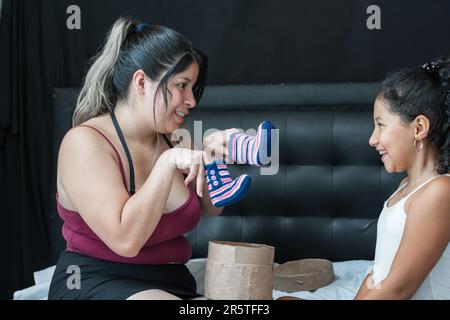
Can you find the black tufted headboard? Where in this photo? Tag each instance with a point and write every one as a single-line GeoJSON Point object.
{"type": "Point", "coordinates": [326, 197]}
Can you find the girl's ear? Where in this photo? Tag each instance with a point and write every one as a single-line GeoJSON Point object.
{"type": "Point", "coordinates": [422, 127]}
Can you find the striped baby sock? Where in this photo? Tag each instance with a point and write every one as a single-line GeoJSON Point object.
{"type": "Point", "coordinates": [223, 190]}
{"type": "Point", "coordinates": [256, 151]}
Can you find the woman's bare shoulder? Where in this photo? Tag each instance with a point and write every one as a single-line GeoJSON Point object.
{"type": "Point", "coordinates": [86, 135]}
{"type": "Point", "coordinates": [86, 162]}
{"type": "Point", "coordinates": [84, 144]}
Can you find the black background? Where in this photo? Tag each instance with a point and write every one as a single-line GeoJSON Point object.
{"type": "Point", "coordinates": [248, 42]}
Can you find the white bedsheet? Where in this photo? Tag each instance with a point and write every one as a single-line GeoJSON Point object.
{"type": "Point", "coordinates": [348, 278]}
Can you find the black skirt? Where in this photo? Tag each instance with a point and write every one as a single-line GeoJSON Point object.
{"type": "Point", "coordinates": [106, 280]}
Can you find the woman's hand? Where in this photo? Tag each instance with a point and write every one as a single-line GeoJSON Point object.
{"type": "Point", "coordinates": [191, 162]}
{"type": "Point", "coordinates": [215, 144]}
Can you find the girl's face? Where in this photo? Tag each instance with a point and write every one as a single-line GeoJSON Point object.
{"type": "Point", "coordinates": [180, 101]}
{"type": "Point", "coordinates": [392, 138]}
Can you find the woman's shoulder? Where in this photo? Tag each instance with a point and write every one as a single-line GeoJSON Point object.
{"type": "Point", "coordinates": [92, 130]}
{"type": "Point", "coordinates": [89, 137]}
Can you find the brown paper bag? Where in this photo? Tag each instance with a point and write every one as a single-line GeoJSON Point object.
{"type": "Point", "coordinates": [239, 271]}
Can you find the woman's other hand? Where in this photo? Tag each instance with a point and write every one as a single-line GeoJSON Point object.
{"type": "Point", "coordinates": [215, 144]}
{"type": "Point", "coordinates": [191, 162]}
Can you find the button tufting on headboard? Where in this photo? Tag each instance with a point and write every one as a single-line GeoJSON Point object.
{"type": "Point", "coordinates": [330, 186]}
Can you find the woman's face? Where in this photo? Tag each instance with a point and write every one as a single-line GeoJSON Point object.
{"type": "Point", "coordinates": [392, 138]}
{"type": "Point", "coordinates": [180, 101]}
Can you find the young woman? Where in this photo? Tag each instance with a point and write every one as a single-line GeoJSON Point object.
{"type": "Point", "coordinates": [412, 256]}
{"type": "Point", "coordinates": [121, 190]}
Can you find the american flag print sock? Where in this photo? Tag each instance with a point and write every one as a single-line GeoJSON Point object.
{"type": "Point", "coordinates": [255, 151]}
{"type": "Point", "coordinates": [223, 190]}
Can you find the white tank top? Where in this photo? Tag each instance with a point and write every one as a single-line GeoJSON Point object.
{"type": "Point", "coordinates": [390, 228]}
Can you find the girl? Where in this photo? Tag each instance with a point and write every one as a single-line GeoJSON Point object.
{"type": "Point", "coordinates": [412, 256]}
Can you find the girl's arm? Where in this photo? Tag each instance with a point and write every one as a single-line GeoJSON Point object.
{"type": "Point", "coordinates": [425, 237]}
{"type": "Point", "coordinates": [364, 286]}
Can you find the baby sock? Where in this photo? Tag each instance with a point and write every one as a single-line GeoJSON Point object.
{"type": "Point", "coordinates": [256, 151]}
{"type": "Point", "coordinates": [223, 190]}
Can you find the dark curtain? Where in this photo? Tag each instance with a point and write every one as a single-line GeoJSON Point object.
{"type": "Point", "coordinates": [247, 41]}
{"type": "Point", "coordinates": [24, 156]}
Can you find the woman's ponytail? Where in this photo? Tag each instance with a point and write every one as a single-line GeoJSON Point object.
{"type": "Point", "coordinates": [97, 95]}
{"type": "Point", "coordinates": [130, 46]}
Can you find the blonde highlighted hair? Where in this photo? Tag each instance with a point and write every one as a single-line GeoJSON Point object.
{"type": "Point", "coordinates": [97, 94]}
{"type": "Point", "coordinates": [130, 46]}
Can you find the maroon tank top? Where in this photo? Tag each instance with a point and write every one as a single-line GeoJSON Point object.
{"type": "Point", "coordinates": [167, 244]}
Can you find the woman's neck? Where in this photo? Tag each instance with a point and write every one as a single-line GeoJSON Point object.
{"type": "Point", "coordinates": [132, 126]}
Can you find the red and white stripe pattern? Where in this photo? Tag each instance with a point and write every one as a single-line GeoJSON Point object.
{"type": "Point", "coordinates": [245, 149]}
{"type": "Point", "coordinates": [223, 190]}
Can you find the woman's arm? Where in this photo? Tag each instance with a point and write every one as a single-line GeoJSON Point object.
{"type": "Point", "coordinates": [89, 174]}
{"type": "Point", "coordinates": [425, 237]}
{"type": "Point", "coordinates": [216, 142]}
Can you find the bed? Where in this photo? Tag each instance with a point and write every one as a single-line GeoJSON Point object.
{"type": "Point", "coordinates": [330, 186]}
{"type": "Point", "coordinates": [348, 278]}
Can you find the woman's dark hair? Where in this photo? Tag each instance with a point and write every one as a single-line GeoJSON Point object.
{"type": "Point", "coordinates": [423, 90]}
{"type": "Point", "coordinates": [131, 45]}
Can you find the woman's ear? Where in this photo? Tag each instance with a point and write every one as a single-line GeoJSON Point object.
{"type": "Point", "coordinates": [138, 81]}
{"type": "Point", "coordinates": [422, 127]}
